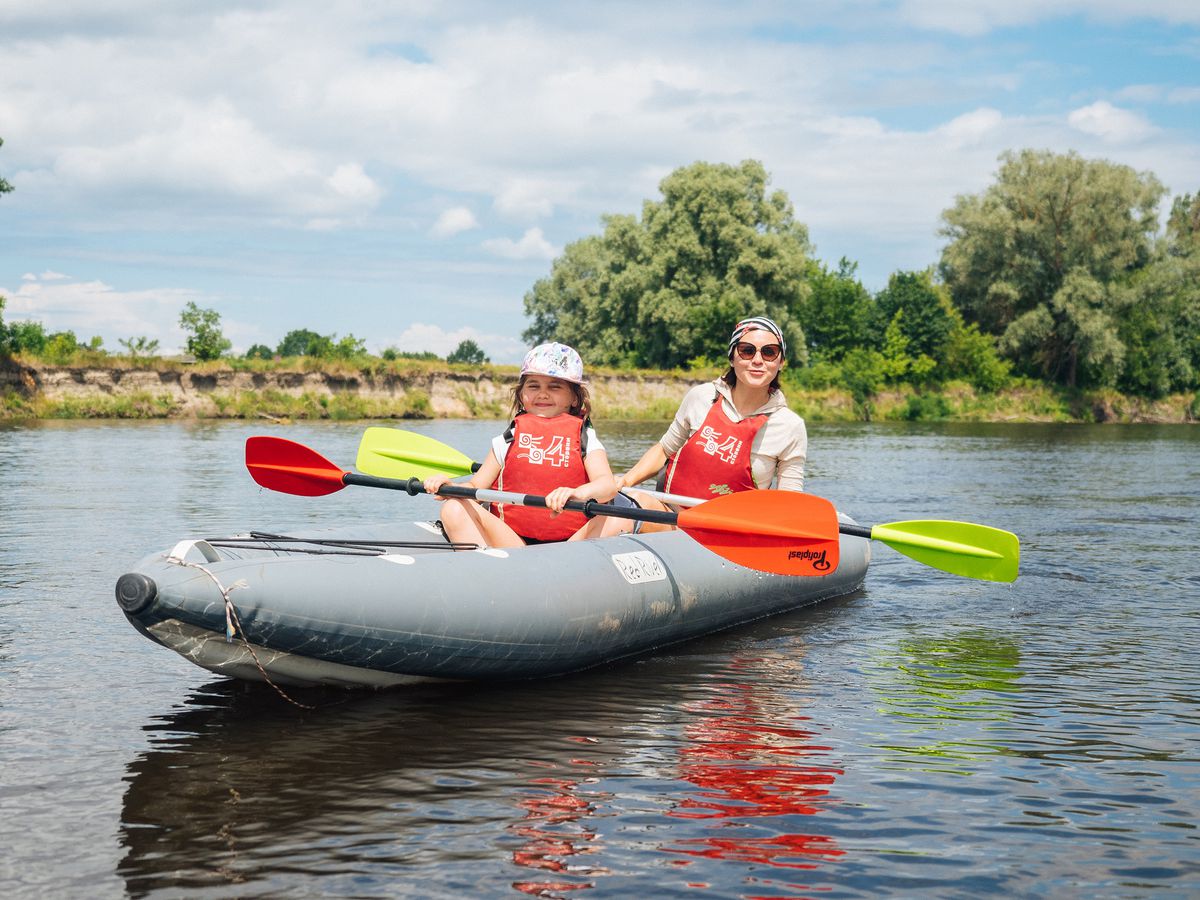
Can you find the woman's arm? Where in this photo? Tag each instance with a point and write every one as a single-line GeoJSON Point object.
{"type": "Point", "coordinates": [646, 467]}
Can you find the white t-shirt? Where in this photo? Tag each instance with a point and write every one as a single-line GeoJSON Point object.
{"type": "Point", "coordinates": [780, 447]}
{"type": "Point", "coordinates": [500, 445]}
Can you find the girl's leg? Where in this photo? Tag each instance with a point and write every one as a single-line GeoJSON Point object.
{"type": "Point", "coordinates": [465, 521]}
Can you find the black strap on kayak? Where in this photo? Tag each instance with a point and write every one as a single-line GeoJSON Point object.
{"type": "Point", "coordinates": [344, 547]}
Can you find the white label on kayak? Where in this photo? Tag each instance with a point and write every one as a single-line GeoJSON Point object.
{"type": "Point", "coordinates": [639, 567]}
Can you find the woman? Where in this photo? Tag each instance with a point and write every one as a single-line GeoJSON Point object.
{"type": "Point", "coordinates": [733, 434]}
{"type": "Point", "coordinates": [549, 448]}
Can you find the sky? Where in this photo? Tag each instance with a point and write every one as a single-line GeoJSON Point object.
{"type": "Point", "coordinates": [405, 171]}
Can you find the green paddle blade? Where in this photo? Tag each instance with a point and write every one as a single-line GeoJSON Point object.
{"type": "Point", "coordinates": [393, 453]}
{"type": "Point", "coordinates": [974, 551]}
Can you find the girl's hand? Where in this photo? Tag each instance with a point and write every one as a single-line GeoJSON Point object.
{"type": "Point", "coordinates": [433, 483]}
{"type": "Point", "coordinates": [557, 498]}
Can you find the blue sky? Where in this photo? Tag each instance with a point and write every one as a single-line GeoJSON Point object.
{"type": "Point", "coordinates": [405, 171]}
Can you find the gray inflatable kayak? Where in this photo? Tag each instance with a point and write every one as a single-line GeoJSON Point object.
{"type": "Point", "coordinates": [393, 604]}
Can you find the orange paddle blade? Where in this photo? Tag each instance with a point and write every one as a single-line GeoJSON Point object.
{"type": "Point", "coordinates": [283, 465]}
{"type": "Point", "coordinates": [785, 532]}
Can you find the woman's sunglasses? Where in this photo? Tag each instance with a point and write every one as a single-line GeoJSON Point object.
{"type": "Point", "coordinates": [770, 352]}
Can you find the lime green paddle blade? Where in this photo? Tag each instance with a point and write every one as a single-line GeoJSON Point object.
{"type": "Point", "coordinates": [963, 548]}
{"type": "Point", "coordinates": [393, 453]}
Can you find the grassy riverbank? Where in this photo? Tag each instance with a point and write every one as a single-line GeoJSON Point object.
{"type": "Point", "coordinates": [417, 389]}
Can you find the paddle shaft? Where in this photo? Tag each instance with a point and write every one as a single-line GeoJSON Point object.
{"type": "Point", "coordinates": [589, 508]}
{"type": "Point", "coordinates": [845, 528]}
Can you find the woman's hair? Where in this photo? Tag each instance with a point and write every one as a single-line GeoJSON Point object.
{"type": "Point", "coordinates": [730, 378]}
{"type": "Point", "coordinates": [581, 408]}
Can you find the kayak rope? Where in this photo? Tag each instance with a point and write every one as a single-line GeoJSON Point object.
{"type": "Point", "coordinates": [233, 625]}
{"type": "Point", "coordinates": [344, 547]}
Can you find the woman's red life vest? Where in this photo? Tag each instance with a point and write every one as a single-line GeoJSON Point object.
{"type": "Point", "coordinates": [544, 454]}
{"type": "Point", "coordinates": [716, 458]}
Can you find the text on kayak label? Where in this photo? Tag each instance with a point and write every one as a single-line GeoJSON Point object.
{"type": "Point", "coordinates": [639, 567]}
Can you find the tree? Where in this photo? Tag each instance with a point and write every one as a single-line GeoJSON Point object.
{"type": "Point", "coordinates": [665, 289]}
{"type": "Point", "coordinates": [5, 187]}
{"type": "Point", "coordinates": [838, 313]}
{"type": "Point", "coordinates": [1159, 320]}
{"type": "Point", "coordinates": [1034, 257]}
{"type": "Point", "coordinates": [467, 352]}
{"type": "Point", "coordinates": [925, 309]}
{"type": "Point", "coordinates": [260, 351]}
{"type": "Point", "coordinates": [298, 342]}
{"type": "Point", "coordinates": [205, 340]}
{"type": "Point", "coordinates": [139, 346]}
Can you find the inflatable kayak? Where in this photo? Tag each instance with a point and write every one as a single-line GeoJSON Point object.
{"type": "Point", "coordinates": [393, 604]}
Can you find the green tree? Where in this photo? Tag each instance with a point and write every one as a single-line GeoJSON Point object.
{"type": "Point", "coordinates": [665, 289]}
{"type": "Point", "coordinates": [467, 352]}
{"type": "Point", "coordinates": [139, 346]}
{"type": "Point", "coordinates": [349, 347]}
{"type": "Point", "coordinates": [260, 351]}
{"type": "Point", "coordinates": [1159, 321]}
{"type": "Point", "coordinates": [205, 340]}
{"type": "Point", "coordinates": [838, 313]}
{"type": "Point", "coordinates": [1032, 258]}
{"type": "Point", "coordinates": [5, 187]}
{"type": "Point", "coordinates": [298, 342]}
{"type": "Point", "coordinates": [928, 313]}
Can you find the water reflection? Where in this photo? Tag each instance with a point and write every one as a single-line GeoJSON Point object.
{"type": "Point", "coordinates": [757, 760]}
{"type": "Point", "coordinates": [947, 685]}
{"type": "Point", "coordinates": [243, 790]}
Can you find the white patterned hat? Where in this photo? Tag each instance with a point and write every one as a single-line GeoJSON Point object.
{"type": "Point", "coordinates": [556, 360]}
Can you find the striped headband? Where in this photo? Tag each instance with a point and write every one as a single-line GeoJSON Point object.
{"type": "Point", "coordinates": [757, 323]}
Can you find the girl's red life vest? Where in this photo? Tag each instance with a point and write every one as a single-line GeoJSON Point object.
{"type": "Point", "coordinates": [716, 458]}
{"type": "Point", "coordinates": [544, 454]}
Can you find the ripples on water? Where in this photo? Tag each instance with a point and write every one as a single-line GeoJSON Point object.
{"type": "Point", "coordinates": [931, 736]}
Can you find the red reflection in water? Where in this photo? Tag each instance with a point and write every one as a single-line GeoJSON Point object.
{"type": "Point", "coordinates": [748, 765]}
{"type": "Point", "coordinates": [550, 839]}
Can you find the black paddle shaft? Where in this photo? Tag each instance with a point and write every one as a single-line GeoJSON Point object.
{"type": "Point", "coordinates": [589, 508]}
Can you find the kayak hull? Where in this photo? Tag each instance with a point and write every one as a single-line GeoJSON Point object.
{"type": "Point", "coordinates": [385, 605]}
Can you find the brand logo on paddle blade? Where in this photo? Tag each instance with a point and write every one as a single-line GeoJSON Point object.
{"type": "Point", "coordinates": [818, 557]}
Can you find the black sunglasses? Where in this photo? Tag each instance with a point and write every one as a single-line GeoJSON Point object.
{"type": "Point", "coordinates": [770, 352]}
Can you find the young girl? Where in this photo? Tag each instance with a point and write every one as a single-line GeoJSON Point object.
{"type": "Point", "coordinates": [549, 449]}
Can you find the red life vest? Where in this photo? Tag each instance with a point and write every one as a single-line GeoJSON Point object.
{"type": "Point", "coordinates": [544, 454]}
{"type": "Point", "coordinates": [716, 458]}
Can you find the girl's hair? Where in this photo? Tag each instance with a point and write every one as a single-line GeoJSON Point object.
{"type": "Point", "coordinates": [581, 408]}
{"type": "Point", "coordinates": [730, 378]}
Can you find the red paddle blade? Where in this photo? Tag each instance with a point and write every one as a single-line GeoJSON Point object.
{"type": "Point", "coordinates": [785, 532]}
{"type": "Point", "coordinates": [291, 468]}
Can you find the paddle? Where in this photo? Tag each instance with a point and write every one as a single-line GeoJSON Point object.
{"type": "Point", "coordinates": [775, 531]}
{"type": "Point", "coordinates": [961, 548]}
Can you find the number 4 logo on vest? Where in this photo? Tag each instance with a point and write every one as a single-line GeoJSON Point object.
{"type": "Point", "coordinates": [558, 454]}
{"type": "Point", "coordinates": [715, 444]}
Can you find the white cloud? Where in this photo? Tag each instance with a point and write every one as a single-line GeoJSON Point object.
{"type": "Point", "coordinates": [1184, 95]}
{"type": "Point", "coordinates": [1110, 123]}
{"type": "Point", "coordinates": [93, 308]}
{"type": "Point", "coordinates": [90, 308]}
{"type": "Point", "coordinates": [421, 337]}
{"type": "Point", "coordinates": [972, 127]}
{"type": "Point", "coordinates": [454, 221]}
{"type": "Point", "coordinates": [532, 245]}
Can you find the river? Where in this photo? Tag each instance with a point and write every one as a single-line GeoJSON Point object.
{"type": "Point", "coordinates": [927, 736]}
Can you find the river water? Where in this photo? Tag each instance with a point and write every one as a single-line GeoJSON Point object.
{"type": "Point", "coordinates": [928, 736]}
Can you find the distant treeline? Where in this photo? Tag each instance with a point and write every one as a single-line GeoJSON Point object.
{"type": "Point", "coordinates": [1059, 273]}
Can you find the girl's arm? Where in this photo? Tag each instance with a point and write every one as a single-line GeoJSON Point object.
{"type": "Point", "coordinates": [482, 480]}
